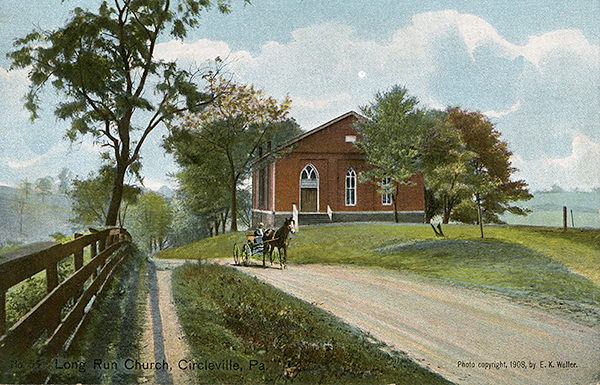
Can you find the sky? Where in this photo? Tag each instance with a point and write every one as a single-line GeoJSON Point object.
{"type": "Point", "coordinates": [531, 66]}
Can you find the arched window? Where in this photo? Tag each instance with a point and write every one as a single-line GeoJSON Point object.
{"type": "Point", "coordinates": [309, 176]}
{"type": "Point", "coordinates": [386, 197]}
{"type": "Point", "coordinates": [351, 188]}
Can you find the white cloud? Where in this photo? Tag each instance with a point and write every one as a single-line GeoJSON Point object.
{"type": "Point", "coordinates": [200, 52]}
{"type": "Point", "coordinates": [580, 170]}
{"type": "Point", "coordinates": [28, 163]}
{"type": "Point", "coordinates": [543, 95]}
{"type": "Point", "coordinates": [571, 41]}
{"type": "Point", "coordinates": [13, 86]}
{"type": "Point", "coordinates": [499, 114]}
{"type": "Point", "coordinates": [473, 31]}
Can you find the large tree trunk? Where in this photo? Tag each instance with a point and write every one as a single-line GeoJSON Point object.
{"type": "Point", "coordinates": [429, 202]}
{"type": "Point", "coordinates": [117, 195]}
{"type": "Point", "coordinates": [447, 210]}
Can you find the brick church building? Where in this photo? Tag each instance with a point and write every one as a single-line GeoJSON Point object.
{"type": "Point", "coordinates": [315, 176]}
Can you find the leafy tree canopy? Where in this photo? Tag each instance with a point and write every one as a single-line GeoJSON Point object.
{"type": "Point", "coordinates": [467, 164]}
{"type": "Point", "coordinates": [390, 139]}
{"type": "Point", "coordinates": [44, 186]}
{"type": "Point", "coordinates": [221, 141]}
{"type": "Point", "coordinates": [103, 66]}
{"type": "Point", "coordinates": [150, 219]}
{"type": "Point", "coordinates": [90, 198]}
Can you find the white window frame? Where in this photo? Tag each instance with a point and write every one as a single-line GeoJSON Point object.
{"type": "Point", "coordinates": [350, 196]}
{"type": "Point", "coordinates": [386, 198]}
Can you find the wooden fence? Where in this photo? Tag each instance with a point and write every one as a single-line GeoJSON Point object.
{"type": "Point", "coordinates": [107, 254]}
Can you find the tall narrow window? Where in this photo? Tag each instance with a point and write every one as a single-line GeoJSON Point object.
{"type": "Point", "coordinates": [386, 197]}
{"type": "Point", "coordinates": [309, 189]}
{"type": "Point", "coordinates": [351, 188]}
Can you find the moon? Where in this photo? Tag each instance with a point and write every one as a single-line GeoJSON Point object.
{"type": "Point", "coordinates": [362, 74]}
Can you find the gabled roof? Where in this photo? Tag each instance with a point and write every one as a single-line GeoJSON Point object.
{"type": "Point", "coordinates": [309, 133]}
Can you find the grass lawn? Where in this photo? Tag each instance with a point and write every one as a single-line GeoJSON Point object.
{"type": "Point", "coordinates": [261, 335]}
{"type": "Point", "coordinates": [549, 266]}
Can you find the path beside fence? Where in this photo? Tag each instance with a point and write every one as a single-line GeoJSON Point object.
{"type": "Point", "coordinates": [164, 339]}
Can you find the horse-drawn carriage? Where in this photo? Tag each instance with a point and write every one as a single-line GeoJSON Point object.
{"type": "Point", "coordinates": [275, 244]}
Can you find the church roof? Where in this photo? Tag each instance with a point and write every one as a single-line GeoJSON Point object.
{"type": "Point", "coordinates": [310, 133]}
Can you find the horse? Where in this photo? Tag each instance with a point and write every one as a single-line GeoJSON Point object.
{"type": "Point", "coordinates": [278, 239]}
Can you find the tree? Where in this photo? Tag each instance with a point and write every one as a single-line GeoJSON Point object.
{"type": "Point", "coordinates": [493, 160]}
{"type": "Point", "coordinates": [446, 162]}
{"type": "Point", "coordinates": [44, 186]}
{"type": "Point", "coordinates": [103, 66]}
{"type": "Point", "coordinates": [390, 139]}
{"type": "Point", "coordinates": [64, 180]}
{"type": "Point", "coordinates": [205, 186]}
{"type": "Point", "coordinates": [468, 168]}
{"type": "Point", "coordinates": [226, 137]}
{"type": "Point", "coordinates": [151, 220]}
{"type": "Point", "coordinates": [186, 225]}
{"type": "Point", "coordinates": [204, 176]}
{"type": "Point", "coordinates": [25, 189]}
{"type": "Point", "coordinates": [91, 197]}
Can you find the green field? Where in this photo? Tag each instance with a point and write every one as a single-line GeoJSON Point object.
{"type": "Point", "coordinates": [222, 309]}
{"type": "Point", "coordinates": [550, 267]}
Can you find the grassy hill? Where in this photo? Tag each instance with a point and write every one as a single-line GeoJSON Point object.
{"type": "Point", "coordinates": [548, 267]}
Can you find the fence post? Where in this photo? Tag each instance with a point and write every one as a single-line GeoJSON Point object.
{"type": "Point", "coordinates": [51, 283]}
{"type": "Point", "coordinates": [78, 256]}
{"type": "Point", "coordinates": [51, 277]}
{"type": "Point", "coordinates": [565, 218]}
{"type": "Point", "coordinates": [78, 259]}
{"type": "Point", "coordinates": [101, 248]}
{"type": "Point", "coordinates": [93, 253]}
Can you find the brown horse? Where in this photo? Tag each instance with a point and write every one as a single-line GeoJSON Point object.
{"type": "Point", "coordinates": [278, 239]}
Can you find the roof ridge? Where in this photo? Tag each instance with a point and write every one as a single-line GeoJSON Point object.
{"type": "Point", "coordinates": [309, 133]}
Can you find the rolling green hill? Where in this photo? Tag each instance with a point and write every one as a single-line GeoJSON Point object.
{"type": "Point", "coordinates": [548, 267]}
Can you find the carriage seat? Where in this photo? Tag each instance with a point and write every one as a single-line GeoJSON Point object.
{"type": "Point", "coordinates": [250, 236]}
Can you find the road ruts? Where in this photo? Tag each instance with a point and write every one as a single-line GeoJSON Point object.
{"type": "Point", "coordinates": [467, 336]}
{"type": "Point", "coordinates": [164, 340]}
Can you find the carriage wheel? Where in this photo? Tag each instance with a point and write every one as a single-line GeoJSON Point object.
{"type": "Point", "coordinates": [245, 254]}
{"type": "Point", "coordinates": [236, 254]}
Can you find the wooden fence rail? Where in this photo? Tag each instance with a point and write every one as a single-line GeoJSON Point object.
{"type": "Point", "coordinates": [106, 254]}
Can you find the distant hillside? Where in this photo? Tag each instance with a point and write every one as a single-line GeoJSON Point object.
{"type": "Point", "coordinates": [166, 192]}
{"type": "Point", "coordinates": [547, 209]}
{"type": "Point", "coordinates": [40, 218]}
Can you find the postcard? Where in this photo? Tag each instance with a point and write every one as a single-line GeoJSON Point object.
{"type": "Point", "coordinates": [297, 191]}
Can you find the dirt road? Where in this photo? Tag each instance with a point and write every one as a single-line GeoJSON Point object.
{"type": "Point", "coordinates": [466, 336]}
{"type": "Point", "coordinates": [164, 339]}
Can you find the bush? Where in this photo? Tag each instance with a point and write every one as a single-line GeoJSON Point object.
{"type": "Point", "coordinates": [466, 212]}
